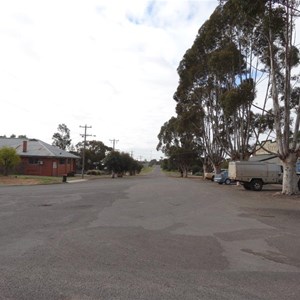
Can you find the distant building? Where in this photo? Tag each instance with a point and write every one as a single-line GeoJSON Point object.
{"type": "Point", "coordinates": [39, 158]}
{"type": "Point", "coordinates": [266, 152]}
{"type": "Point", "coordinates": [267, 147]}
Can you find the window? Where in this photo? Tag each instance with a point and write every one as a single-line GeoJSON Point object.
{"type": "Point", "coordinates": [62, 161]}
{"type": "Point", "coordinates": [33, 161]}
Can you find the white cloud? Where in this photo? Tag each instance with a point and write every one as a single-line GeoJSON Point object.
{"type": "Point", "coordinates": [108, 64]}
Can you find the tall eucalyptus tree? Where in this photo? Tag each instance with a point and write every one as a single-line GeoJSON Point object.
{"type": "Point", "coordinates": [218, 75]}
{"type": "Point", "coordinates": [273, 23]}
{"type": "Point", "coordinates": [196, 92]}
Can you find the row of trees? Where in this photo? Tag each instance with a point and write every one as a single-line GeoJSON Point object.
{"type": "Point", "coordinates": [12, 136]}
{"type": "Point", "coordinates": [97, 154]}
{"type": "Point", "coordinates": [120, 163]}
{"type": "Point", "coordinates": [245, 47]}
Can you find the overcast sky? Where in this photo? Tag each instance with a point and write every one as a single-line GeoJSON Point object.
{"type": "Point", "coordinates": [109, 64]}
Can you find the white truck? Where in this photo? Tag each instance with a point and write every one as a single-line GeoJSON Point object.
{"type": "Point", "coordinates": [254, 174]}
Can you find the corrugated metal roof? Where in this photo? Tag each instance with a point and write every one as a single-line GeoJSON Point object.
{"type": "Point", "coordinates": [35, 148]}
{"type": "Point", "coordinates": [268, 158]}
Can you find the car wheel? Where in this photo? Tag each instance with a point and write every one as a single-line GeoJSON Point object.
{"type": "Point", "coordinates": [227, 181]}
{"type": "Point", "coordinates": [256, 185]}
{"type": "Point", "coordinates": [247, 186]}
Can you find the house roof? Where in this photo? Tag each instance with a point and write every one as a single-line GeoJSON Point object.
{"type": "Point", "coordinates": [268, 158]}
{"type": "Point", "coordinates": [35, 148]}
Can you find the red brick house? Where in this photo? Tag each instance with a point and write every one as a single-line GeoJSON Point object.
{"type": "Point", "coordinates": [39, 158]}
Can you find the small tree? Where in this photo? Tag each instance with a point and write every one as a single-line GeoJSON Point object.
{"type": "Point", "coordinates": [8, 159]}
{"type": "Point", "coordinates": [178, 143]}
{"type": "Point", "coordinates": [113, 163]}
{"type": "Point", "coordinates": [61, 139]}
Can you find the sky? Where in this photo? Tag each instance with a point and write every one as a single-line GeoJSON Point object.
{"type": "Point", "coordinates": [108, 64]}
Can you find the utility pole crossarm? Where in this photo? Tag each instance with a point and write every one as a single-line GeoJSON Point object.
{"type": "Point", "coordinates": [114, 141]}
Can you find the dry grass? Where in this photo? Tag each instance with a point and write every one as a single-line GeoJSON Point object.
{"type": "Point", "coordinates": [28, 180]}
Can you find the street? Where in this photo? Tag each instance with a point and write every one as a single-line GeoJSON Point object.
{"type": "Point", "coordinates": [148, 237]}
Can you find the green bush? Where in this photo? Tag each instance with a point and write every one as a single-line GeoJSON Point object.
{"type": "Point", "coordinates": [196, 169]}
{"type": "Point", "coordinates": [8, 159]}
{"type": "Point", "coordinates": [198, 174]}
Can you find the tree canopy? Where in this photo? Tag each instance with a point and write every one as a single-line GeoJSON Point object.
{"type": "Point", "coordinates": [95, 152]}
{"type": "Point", "coordinates": [61, 139]}
{"type": "Point", "coordinates": [241, 45]}
{"type": "Point", "coordinates": [178, 143]}
{"type": "Point", "coordinates": [8, 159]}
{"type": "Point", "coordinates": [120, 163]}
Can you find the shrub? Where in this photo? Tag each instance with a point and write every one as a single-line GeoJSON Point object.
{"type": "Point", "coordinates": [8, 159]}
{"type": "Point", "coordinates": [93, 172]}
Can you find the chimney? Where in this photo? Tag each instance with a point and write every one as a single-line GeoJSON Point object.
{"type": "Point", "coordinates": [24, 146]}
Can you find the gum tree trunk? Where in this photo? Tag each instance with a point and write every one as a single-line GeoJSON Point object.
{"type": "Point", "coordinates": [290, 178]}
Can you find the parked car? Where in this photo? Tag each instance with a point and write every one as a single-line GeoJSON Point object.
{"type": "Point", "coordinates": [222, 178]}
{"type": "Point", "coordinates": [209, 176]}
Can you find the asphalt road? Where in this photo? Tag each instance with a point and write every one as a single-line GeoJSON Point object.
{"type": "Point", "coordinates": [148, 237]}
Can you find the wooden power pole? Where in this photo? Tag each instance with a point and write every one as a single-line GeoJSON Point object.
{"type": "Point", "coordinates": [84, 135]}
